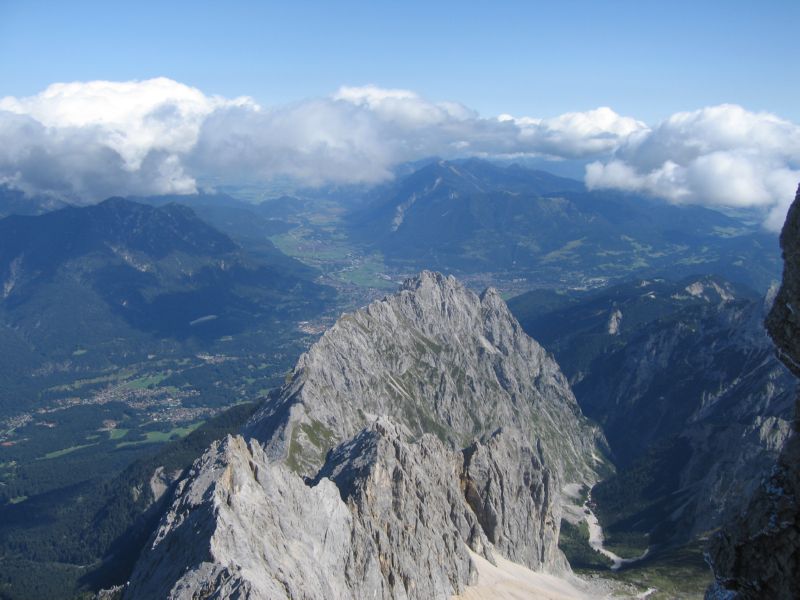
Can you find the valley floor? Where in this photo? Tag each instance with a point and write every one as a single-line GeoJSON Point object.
{"type": "Point", "coordinates": [666, 574]}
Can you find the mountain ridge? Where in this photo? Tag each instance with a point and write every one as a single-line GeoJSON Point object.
{"type": "Point", "coordinates": [126, 279]}
{"type": "Point", "coordinates": [472, 216]}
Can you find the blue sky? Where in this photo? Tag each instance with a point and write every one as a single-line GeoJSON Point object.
{"type": "Point", "coordinates": [648, 59]}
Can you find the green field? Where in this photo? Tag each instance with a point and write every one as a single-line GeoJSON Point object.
{"type": "Point", "coordinates": [115, 375]}
{"type": "Point", "coordinates": [300, 244]}
{"type": "Point", "coordinates": [152, 437]}
{"type": "Point", "coordinates": [118, 433]}
{"type": "Point", "coordinates": [146, 381]}
{"type": "Point", "coordinates": [58, 453]}
{"type": "Point", "coordinates": [367, 273]}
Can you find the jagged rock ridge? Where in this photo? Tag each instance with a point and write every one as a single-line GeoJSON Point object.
{"type": "Point", "coordinates": [375, 417]}
{"type": "Point", "coordinates": [758, 555]}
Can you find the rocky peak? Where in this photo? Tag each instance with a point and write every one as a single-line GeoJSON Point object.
{"type": "Point", "coordinates": [437, 358]}
{"type": "Point", "coordinates": [430, 280]}
{"type": "Point", "coordinates": [503, 466]}
{"type": "Point", "coordinates": [418, 433]}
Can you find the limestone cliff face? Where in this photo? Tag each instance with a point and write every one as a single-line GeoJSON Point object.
{"type": "Point", "coordinates": [418, 429]}
{"type": "Point", "coordinates": [215, 539]}
{"type": "Point", "coordinates": [510, 490]}
{"type": "Point", "coordinates": [437, 358]}
{"type": "Point", "coordinates": [758, 555]}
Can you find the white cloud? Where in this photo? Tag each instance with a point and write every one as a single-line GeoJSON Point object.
{"type": "Point", "coordinates": [403, 106]}
{"type": "Point", "coordinates": [316, 142]}
{"type": "Point", "coordinates": [75, 163]}
{"type": "Point", "coordinates": [95, 139]}
{"type": "Point", "coordinates": [131, 118]}
{"type": "Point", "coordinates": [99, 138]}
{"type": "Point", "coordinates": [577, 134]}
{"type": "Point", "coordinates": [717, 156]}
{"type": "Point", "coordinates": [359, 134]}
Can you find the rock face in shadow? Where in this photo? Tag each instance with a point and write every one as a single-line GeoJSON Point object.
{"type": "Point", "coordinates": [510, 490]}
{"type": "Point", "coordinates": [758, 555]}
{"type": "Point", "coordinates": [783, 322]}
{"type": "Point", "coordinates": [419, 429]}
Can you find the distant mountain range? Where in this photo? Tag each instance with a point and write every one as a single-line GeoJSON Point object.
{"type": "Point", "coordinates": [474, 216]}
{"type": "Point", "coordinates": [120, 276]}
{"type": "Point", "coordinates": [248, 224]}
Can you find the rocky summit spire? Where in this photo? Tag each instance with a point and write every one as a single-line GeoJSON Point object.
{"type": "Point", "coordinates": [416, 433]}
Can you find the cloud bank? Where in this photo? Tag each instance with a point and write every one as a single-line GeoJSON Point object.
{"type": "Point", "coordinates": [717, 156]}
{"type": "Point", "coordinates": [87, 141]}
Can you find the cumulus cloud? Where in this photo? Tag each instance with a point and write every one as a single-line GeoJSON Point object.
{"type": "Point", "coordinates": [89, 140]}
{"type": "Point", "coordinates": [721, 156]}
{"type": "Point", "coordinates": [360, 133]}
{"type": "Point", "coordinates": [94, 139]}
{"type": "Point", "coordinates": [577, 134]}
{"type": "Point", "coordinates": [403, 106]}
{"type": "Point", "coordinates": [75, 163]}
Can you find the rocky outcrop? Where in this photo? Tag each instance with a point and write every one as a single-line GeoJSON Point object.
{"type": "Point", "coordinates": [385, 517]}
{"type": "Point", "coordinates": [758, 555]}
{"type": "Point", "coordinates": [410, 520]}
{"type": "Point", "coordinates": [352, 481]}
{"type": "Point", "coordinates": [241, 527]}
